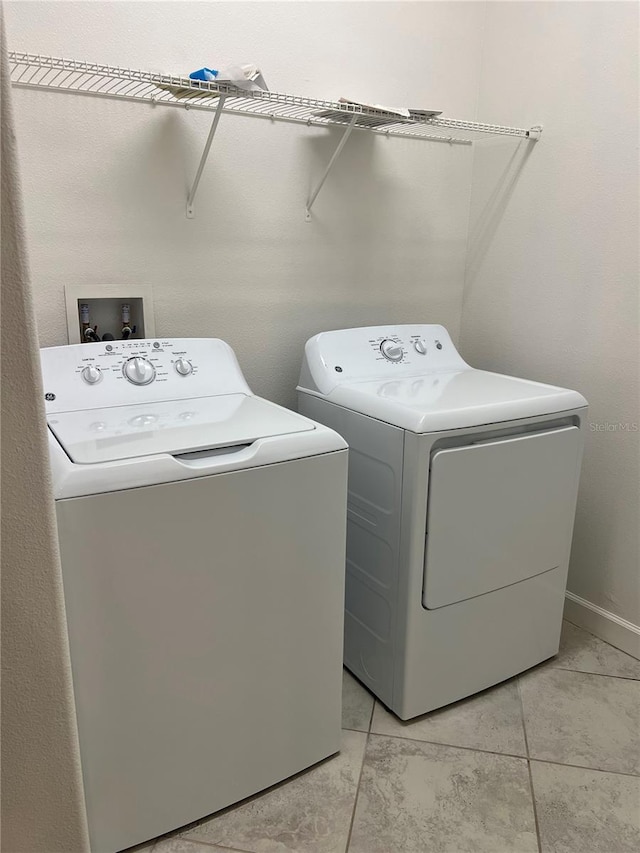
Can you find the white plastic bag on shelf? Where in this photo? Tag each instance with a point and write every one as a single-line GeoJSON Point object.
{"type": "Point", "coordinates": [247, 77]}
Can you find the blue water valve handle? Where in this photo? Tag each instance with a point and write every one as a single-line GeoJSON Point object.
{"type": "Point", "coordinates": [206, 74]}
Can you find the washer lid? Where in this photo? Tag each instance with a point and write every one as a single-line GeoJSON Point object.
{"type": "Point", "coordinates": [454, 399]}
{"type": "Point", "coordinates": [171, 427]}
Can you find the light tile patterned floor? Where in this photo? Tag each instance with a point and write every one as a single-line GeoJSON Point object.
{"type": "Point", "coordinates": [547, 762]}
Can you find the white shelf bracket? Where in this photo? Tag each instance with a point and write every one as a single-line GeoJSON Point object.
{"type": "Point", "coordinates": [205, 154]}
{"type": "Point", "coordinates": [336, 154]}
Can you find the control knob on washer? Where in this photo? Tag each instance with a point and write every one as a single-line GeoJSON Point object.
{"type": "Point", "coordinates": [91, 374]}
{"type": "Point", "coordinates": [420, 346]}
{"type": "Point", "coordinates": [391, 350]}
{"type": "Point", "coordinates": [138, 370]}
{"type": "Point", "coordinates": [183, 367]}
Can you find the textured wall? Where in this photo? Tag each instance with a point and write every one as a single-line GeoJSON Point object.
{"type": "Point", "coordinates": [552, 276]}
{"type": "Point", "coordinates": [42, 797]}
{"type": "Point", "coordinates": [105, 185]}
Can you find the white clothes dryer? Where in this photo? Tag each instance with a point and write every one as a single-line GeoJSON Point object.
{"type": "Point", "coordinates": [202, 542]}
{"type": "Point", "coordinates": [462, 494]}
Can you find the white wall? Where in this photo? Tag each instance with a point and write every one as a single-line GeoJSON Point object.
{"type": "Point", "coordinates": [105, 182]}
{"type": "Point", "coordinates": [552, 277]}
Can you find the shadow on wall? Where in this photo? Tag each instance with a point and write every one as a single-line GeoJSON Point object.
{"type": "Point", "coordinates": [373, 203]}
{"type": "Point", "coordinates": [355, 179]}
{"type": "Point", "coordinates": [151, 169]}
{"type": "Point", "coordinates": [489, 218]}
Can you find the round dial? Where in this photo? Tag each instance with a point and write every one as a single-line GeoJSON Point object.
{"type": "Point", "coordinates": [183, 367]}
{"type": "Point", "coordinates": [91, 374]}
{"type": "Point", "coordinates": [391, 350]}
{"type": "Point", "coordinates": [420, 346]}
{"type": "Point", "coordinates": [139, 370]}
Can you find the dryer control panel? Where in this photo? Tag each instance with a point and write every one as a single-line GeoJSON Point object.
{"type": "Point", "coordinates": [118, 373]}
{"type": "Point", "coordinates": [376, 352]}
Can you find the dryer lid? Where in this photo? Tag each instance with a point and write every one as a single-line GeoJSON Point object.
{"type": "Point", "coordinates": [454, 399]}
{"type": "Point", "coordinates": [171, 427]}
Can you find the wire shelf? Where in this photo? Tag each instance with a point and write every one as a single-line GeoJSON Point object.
{"type": "Point", "coordinates": [33, 71]}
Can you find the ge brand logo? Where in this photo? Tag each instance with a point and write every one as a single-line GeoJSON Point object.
{"type": "Point", "coordinates": [49, 396]}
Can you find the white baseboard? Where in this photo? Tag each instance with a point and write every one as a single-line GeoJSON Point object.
{"type": "Point", "coordinates": [609, 627]}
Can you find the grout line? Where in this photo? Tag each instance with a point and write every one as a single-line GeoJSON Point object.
{"type": "Point", "coordinates": [530, 774]}
{"type": "Point", "coordinates": [522, 719]}
{"type": "Point", "coordinates": [196, 842]}
{"type": "Point", "coordinates": [451, 745]}
{"type": "Point", "coordinates": [373, 710]}
{"type": "Point", "coordinates": [601, 674]}
{"type": "Point", "coordinates": [583, 767]}
{"type": "Point", "coordinates": [215, 846]}
{"type": "Point", "coordinates": [533, 803]}
{"type": "Point", "coordinates": [504, 754]}
{"type": "Point", "coordinates": [355, 799]}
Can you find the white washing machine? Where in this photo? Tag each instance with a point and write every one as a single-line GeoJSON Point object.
{"type": "Point", "coordinates": [462, 494]}
{"type": "Point", "coordinates": [202, 541]}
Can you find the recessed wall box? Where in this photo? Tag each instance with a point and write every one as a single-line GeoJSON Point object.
{"type": "Point", "coordinates": [104, 309]}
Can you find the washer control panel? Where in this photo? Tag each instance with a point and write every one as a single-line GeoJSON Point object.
{"type": "Point", "coordinates": [139, 370]}
{"type": "Point", "coordinates": [91, 374]}
{"type": "Point", "coordinates": [183, 367]}
{"type": "Point", "coordinates": [114, 373]}
{"type": "Point", "coordinates": [377, 352]}
{"type": "Point", "coordinates": [392, 350]}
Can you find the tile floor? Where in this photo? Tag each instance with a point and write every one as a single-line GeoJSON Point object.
{"type": "Point", "coordinates": [548, 762]}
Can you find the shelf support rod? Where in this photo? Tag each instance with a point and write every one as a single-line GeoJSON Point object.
{"type": "Point", "coordinates": [336, 154]}
{"type": "Point", "coordinates": [205, 154]}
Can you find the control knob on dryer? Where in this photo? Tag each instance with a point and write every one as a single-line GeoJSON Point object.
{"type": "Point", "coordinates": [391, 350]}
{"type": "Point", "coordinates": [183, 367]}
{"type": "Point", "coordinates": [139, 370]}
